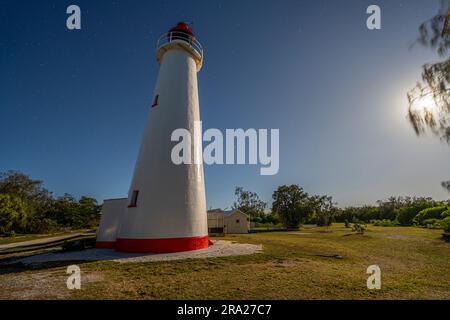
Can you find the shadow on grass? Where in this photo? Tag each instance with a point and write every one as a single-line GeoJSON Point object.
{"type": "Point", "coordinates": [57, 257]}
{"type": "Point", "coordinates": [19, 267]}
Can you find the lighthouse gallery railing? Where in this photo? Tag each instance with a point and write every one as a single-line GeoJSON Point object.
{"type": "Point", "coordinates": [180, 36]}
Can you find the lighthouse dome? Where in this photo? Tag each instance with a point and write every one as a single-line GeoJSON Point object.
{"type": "Point", "coordinates": [182, 27]}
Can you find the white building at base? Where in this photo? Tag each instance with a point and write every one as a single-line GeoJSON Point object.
{"type": "Point", "coordinates": [227, 222]}
{"type": "Point", "coordinates": [111, 215]}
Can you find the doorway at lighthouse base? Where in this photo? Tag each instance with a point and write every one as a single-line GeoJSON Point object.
{"type": "Point", "coordinates": [107, 234]}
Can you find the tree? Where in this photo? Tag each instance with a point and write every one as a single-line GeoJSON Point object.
{"type": "Point", "coordinates": [324, 209]}
{"type": "Point", "coordinates": [292, 205]}
{"type": "Point", "coordinates": [31, 192]}
{"type": "Point", "coordinates": [89, 210]}
{"type": "Point", "coordinates": [433, 91]}
{"type": "Point", "coordinates": [249, 203]}
{"type": "Point", "coordinates": [69, 212]}
{"type": "Point", "coordinates": [12, 214]}
{"type": "Point", "coordinates": [63, 211]}
{"type": "Point", "coordinates": [389, 208]}
{"type": "Point", "coordinates": [429, 100]}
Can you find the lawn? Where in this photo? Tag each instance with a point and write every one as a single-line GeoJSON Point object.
{"type": "Point", "coordinates": [314, 263]}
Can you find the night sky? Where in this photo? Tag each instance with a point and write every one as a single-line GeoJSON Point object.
{"type": "Point", "coordinates": [73, 104]}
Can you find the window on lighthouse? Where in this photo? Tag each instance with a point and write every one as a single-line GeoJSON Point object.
{"type": "Point", "coordinates": [155, 101]}
{"type": "Point", "coordinates": [134, 197]}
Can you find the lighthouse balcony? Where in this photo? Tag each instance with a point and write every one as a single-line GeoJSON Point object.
{"type": "Point", "coordinates": [180, 40]}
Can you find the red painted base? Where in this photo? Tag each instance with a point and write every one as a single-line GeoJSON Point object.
{"type": "Point", "coordinates": [105, 244]}
{"type": "Point", "coordinates": [162, 245]}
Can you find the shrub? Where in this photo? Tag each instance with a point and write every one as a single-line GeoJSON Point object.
{"type": "Point", "coordinates": [269, 218]}
{"type": "Point", "coordinates": [346, 223]}
{"type": "Point", "coordinates": [432, 223]}
{"type": "Point", "coordinates": [406, 214]}
{"type": "Point", "coordinates": [10, 234]}
{"type": "Point", "coordinates": [385, 223]}
{"type": "Point", "coordinates": [429, 213]}
{"type": "Point", "coordinates": [365, 214]}
{"type": "Point", "coordinates": [268, 226]}
{"type": "Point", "coordinates": [445, 224]}
{"type": "Point", "coordinates": [359, 228]}
{"type": "Point", "coordinates": [445, 214]}
{"type": "Point", "coordinates": [256, 219]}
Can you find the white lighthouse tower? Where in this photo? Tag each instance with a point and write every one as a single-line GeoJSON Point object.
{"type": "Point", "coordinates": [166, 207]}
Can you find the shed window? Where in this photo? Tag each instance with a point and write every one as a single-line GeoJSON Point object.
{"type": "Point", "coordinates": [134, 198]}
{"type": "Point", "coordinates": [237, 220]}
{"type": "Point", "coordinates": [155, 101]}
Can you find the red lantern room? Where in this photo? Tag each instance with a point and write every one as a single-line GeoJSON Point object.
{"type": "Point", "coordinates": [182, 27]}
{"type": "Point", "coordinates": [181, 31]}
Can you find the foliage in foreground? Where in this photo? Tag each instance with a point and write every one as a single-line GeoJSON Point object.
{"type": "Point", "coordinates": [27, 207]}
{"type": "Point", "coordinates": [434, 86]}
{"type": "Point", "coordinates": [12, 214]}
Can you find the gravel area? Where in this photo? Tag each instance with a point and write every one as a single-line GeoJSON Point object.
{"type": "Point", "coordinates": [220, 248]}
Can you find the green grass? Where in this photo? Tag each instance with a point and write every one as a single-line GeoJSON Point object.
{"type": "Point", "coordinates": [415, 264]}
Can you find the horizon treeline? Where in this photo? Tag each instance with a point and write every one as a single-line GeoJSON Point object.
{"type": "Point", "coordinates": [292, 207]}
{"type": "Point", "coordinates": [26, 206]}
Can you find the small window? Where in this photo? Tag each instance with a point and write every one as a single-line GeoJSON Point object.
{"type": "Point", "coordinates": [155, 101]}
{"type": "Point", "coordinates": [237, 220]}
{"type": "Point", "coordinates": [134, 198]}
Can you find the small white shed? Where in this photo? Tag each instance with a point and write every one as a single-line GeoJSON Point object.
{"type": "Point", "coordinates": [236, 221]}
{"type": "Point", "coordinates": [231, 221]}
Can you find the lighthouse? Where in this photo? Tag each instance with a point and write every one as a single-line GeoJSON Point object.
{"type": "Point", "coordinates": [166, 208]}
